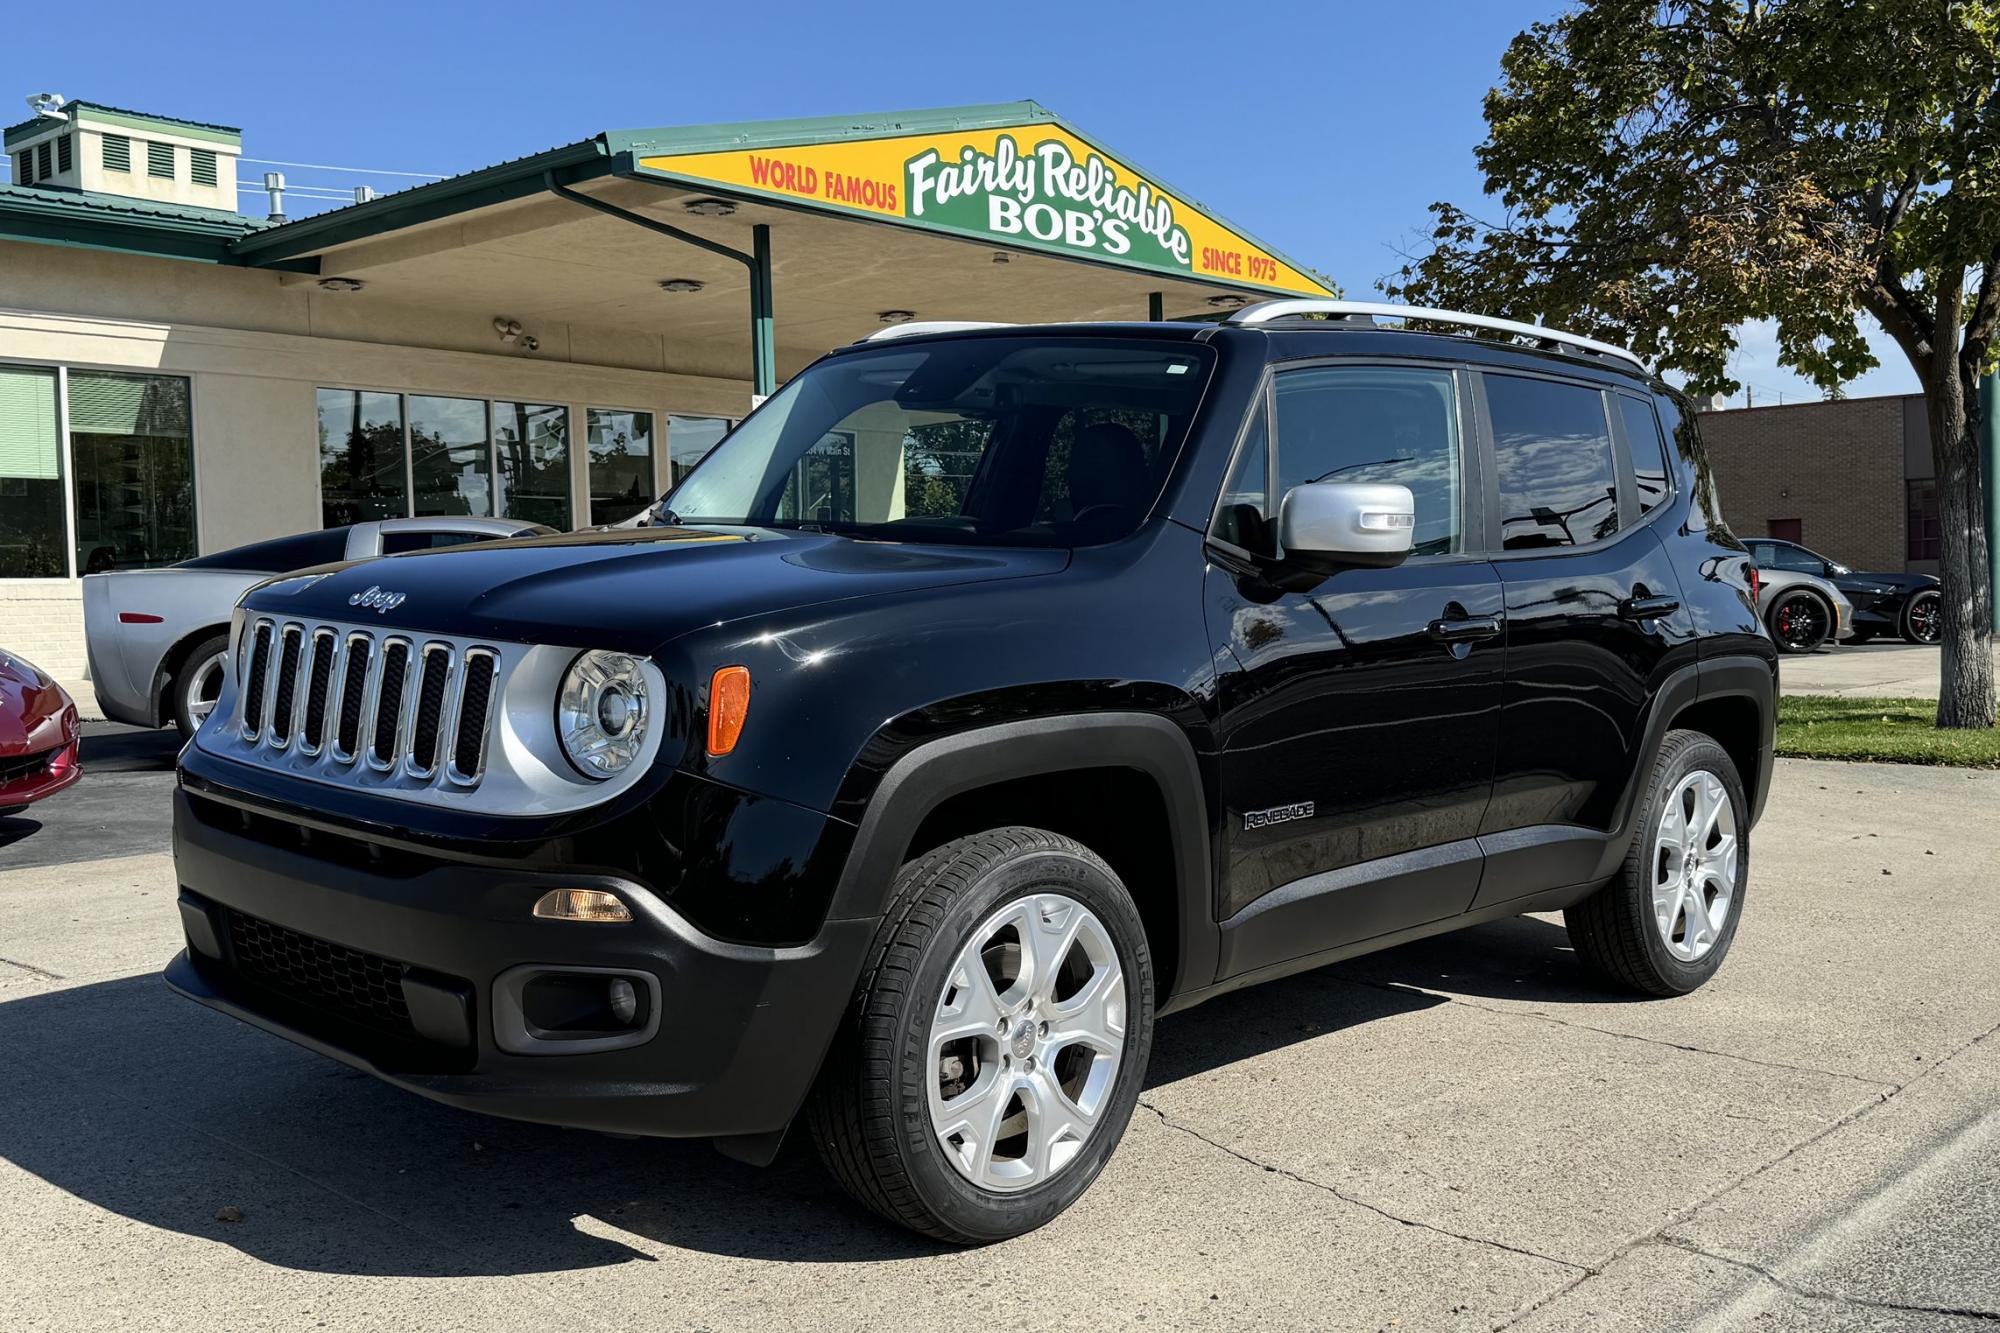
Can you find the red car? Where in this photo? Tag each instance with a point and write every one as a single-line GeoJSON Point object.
{"type": "Point", "coordinates": [38, 736]}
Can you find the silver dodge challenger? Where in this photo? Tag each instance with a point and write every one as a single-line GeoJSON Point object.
{"type": "Point", "coordinates": [158, 639]}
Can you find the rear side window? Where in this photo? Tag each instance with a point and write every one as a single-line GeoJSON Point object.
{"type": "Point", "coordinates": [1557, 482]}
{"type": "Point", "coordinates": [1649, 451]}
{"type": "Point", "coordinates": [399, 543]}
{"type": "Point", "coordinates": [280, 555]}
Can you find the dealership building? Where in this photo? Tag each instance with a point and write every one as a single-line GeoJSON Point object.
{"type": "Point", "coordinates": [554, 338]}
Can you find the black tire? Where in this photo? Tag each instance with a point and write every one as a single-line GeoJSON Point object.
{"type": "Point", "coordinates": [1923, 624]}
{"type": "Point", "coordinates": [869, 1113]}
{"type": "Point", "coordinates": [180, 700]}
{"type": "Point", "coordinates": [1613, 930]}
{"type": "Point", "coordinates": [1800, 621]}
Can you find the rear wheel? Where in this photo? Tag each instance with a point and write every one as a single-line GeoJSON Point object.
{"type": "Point", "coordinates": [1800, 622]}
{"type": "Point", "coordinates": [994, 1052]}
{"type": "Point", "coordinates": [1922, 619]}
{"type": "Point", "coordinates": [1664, 924]}
{"type": "Point", "coordinates": [198, 684]}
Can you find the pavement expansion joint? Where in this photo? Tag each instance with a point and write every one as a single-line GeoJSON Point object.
{"type": "Point", "coordinates": [1544, 1017]}
{"type": "Point", "coordinates": [34, 971]}
{"type": "Point", "coordinates": [1345, 1197]}
{"type": "Point", "coordinates": [1815, 1294]}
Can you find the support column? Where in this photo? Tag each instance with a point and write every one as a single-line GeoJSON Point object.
{"type": "Point", "coordinates": [763, 333]}
{"type": "Point", "coordinates": [1989, 471]}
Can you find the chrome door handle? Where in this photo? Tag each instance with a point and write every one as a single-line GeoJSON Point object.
{"type": "Point", "coordinates": [1648, 608]}
{"type": "Point", "coordinates": [1470, 629]}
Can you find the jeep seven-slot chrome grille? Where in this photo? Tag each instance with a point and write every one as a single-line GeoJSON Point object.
{"type": "Point", "coordinates": [408, 707]}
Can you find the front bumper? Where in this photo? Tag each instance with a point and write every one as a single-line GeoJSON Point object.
{"type": "Point", "coordinates": [741, 1030]}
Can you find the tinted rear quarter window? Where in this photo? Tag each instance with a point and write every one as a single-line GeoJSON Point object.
{"type": "Point", "coordinates": [1649, 452]}
{"type": "Point", "coordinates": [280, 555]}
{"type": "Point", "coordinates": [1557, 482]}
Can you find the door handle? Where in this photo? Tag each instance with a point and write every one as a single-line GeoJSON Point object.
{"type": "Point", "coordinates": [1468, 629]}
{"type": "Point", "coordinates": [1648, 608]}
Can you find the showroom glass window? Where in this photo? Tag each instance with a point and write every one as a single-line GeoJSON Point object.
{"type": "Point", "coordinates": [621, 463]}
{"type": "Point", "coordinates": [31, 480]}
{"type": "Point", "coordinates": [531, 460]}
{"type": "Point", "coordinates": [688, 441]}
{"type": "Point", "coordinates": [132, 449]}
{"type": "Point", "coordinates": [362, 470]}
{"type": "Point", "coordinates": [1552, 451]}
{"type": "Point", "coordinates": [451, 464]}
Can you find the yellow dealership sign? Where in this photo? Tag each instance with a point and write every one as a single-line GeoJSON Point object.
{"type": "Point", "coordinates": [1035, 185]}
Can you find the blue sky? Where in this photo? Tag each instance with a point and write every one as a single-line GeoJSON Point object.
{"type": "Point", "coordinates": [1324, 129]}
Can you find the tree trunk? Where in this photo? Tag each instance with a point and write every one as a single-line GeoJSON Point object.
{"type": "Point", "coordinates": [1965, 681]}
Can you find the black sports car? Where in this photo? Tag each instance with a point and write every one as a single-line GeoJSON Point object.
{"type": "Point", "coordinates": [1884, 603]}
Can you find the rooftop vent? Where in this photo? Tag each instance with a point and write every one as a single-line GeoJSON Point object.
{"type": "Point", "coordinates": [87, 146]}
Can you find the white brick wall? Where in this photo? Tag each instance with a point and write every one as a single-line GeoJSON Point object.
{"type": "Point", "coordinates": [42, 620]}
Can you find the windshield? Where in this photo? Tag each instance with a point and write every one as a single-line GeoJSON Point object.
{"type": "Point", "coordinates": [1017, 441]}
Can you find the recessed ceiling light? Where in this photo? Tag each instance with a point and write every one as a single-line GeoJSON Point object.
{"type": "Point", "coordinates": [341, 284]}
{"type": "Point", "coordinates": [1226, 302]}
{"type": "Point", "coordinates": [680, 285]}
{"type": "Point", "coordinates": [896, 316]}
{"type": "Point", "coordinates": [709, 208]}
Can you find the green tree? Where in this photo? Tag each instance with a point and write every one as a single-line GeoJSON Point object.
{"type": "Point", "coordinates": [1671, 170]}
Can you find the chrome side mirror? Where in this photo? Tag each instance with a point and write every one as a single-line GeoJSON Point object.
{"type": "Point", "coordinates": [1333, 523]}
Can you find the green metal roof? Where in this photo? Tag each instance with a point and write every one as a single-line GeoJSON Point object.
{"type": "Point", "coordinates": [825, 129]}
{"type": "Point", "coordinates": [98, 221]}
{"type": "Point", "coordinates": [138, 120]}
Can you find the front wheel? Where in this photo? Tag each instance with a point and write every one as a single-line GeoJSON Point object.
{"type": "Point", "coordinates": [995, 1048]}
{"type": "Point", "coordinates": [1800, 622]}
{"type": "Point", "coordinates": [1664, 924]}
{"type": "Point", "coordinates": [1922, 621]}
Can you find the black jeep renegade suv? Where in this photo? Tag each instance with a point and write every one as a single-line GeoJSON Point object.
{"type": "Point", "coordinates": [985, 695]}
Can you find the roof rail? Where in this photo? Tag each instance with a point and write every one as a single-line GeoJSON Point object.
{"type": "Point", "coordinates": [1266, 311]}
{"type": "Point", "coordinates": [917, 326]}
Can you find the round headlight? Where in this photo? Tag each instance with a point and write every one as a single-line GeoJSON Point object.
{"type": "Point", "coordinates": [602, 713]}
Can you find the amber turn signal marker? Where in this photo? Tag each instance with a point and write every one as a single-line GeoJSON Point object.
{"type": "Point", "coordinates": [728, 705]}
{"type": "Point", "coordinates": [581, 905]}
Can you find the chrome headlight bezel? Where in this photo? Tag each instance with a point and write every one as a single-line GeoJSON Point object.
{"type": "Point", "coordinates": [604, 709]}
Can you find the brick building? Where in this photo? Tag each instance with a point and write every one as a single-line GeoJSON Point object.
{"type": "Point", "coordinates": [1851, 479]}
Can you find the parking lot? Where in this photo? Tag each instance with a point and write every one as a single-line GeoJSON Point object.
{"type": "Point", "coordinates": [1462, 1134]}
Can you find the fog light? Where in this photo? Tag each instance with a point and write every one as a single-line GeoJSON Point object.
{"type": "Point", "coordinates": [624, 1001]}
{"type": "Point", "coordinates": [582, 905]}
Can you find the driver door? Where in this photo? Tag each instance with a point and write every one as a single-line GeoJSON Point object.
{"type": "Point", "coordinates": [1357, 718]}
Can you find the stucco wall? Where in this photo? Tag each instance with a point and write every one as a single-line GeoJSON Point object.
{"type": "Point", "coordinates": [255, 346]}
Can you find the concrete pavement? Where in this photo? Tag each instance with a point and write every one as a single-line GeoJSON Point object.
{"type": "Point", "coordinates": [1878, 670]}
{"type": "Point", "coordinates": [1467, 1133]}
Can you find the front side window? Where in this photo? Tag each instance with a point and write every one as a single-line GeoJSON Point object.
{"type": "Point", "coordinates": [134, 456]}
{"type": "Point", "coordinates": [449, 458]}
{"type": "Point", "coordinates": [1552, 452]}
{"type": "Point", "coordinates": [1242, 516]}
{"type": "Point", "coordinates": [1776, 555]}
{"type": "Point", "coordinates": [403, 542]}
{"type": "Point", "coordinates": [1375, 424]}
{"type": "Point", "coordinates": [1024, 441]}
{"type": "Point", "coordinates": [361, 472]}
{"type": "Point", "coordinates": [31, 480]}
{"type": "Point", "coordinates": [621, 463]}
{"type": "Point", "coordinates": [531, 452]}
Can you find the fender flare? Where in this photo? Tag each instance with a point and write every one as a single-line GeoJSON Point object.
{"type": "Point", "coordinates": [938, 770]}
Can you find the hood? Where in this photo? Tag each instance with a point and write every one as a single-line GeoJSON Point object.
{"type": "Point", "coordinates": [628, 590]}
{"type": "Point", "coordinates": [35, 712]}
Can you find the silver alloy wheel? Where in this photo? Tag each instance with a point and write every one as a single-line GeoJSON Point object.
{"type": "Point", "coordinates": [1695, 855]}
{"type": "Point", "coordinates": [205, 687]}
{"type": "Point", "coordinates": [1026, 1042]}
